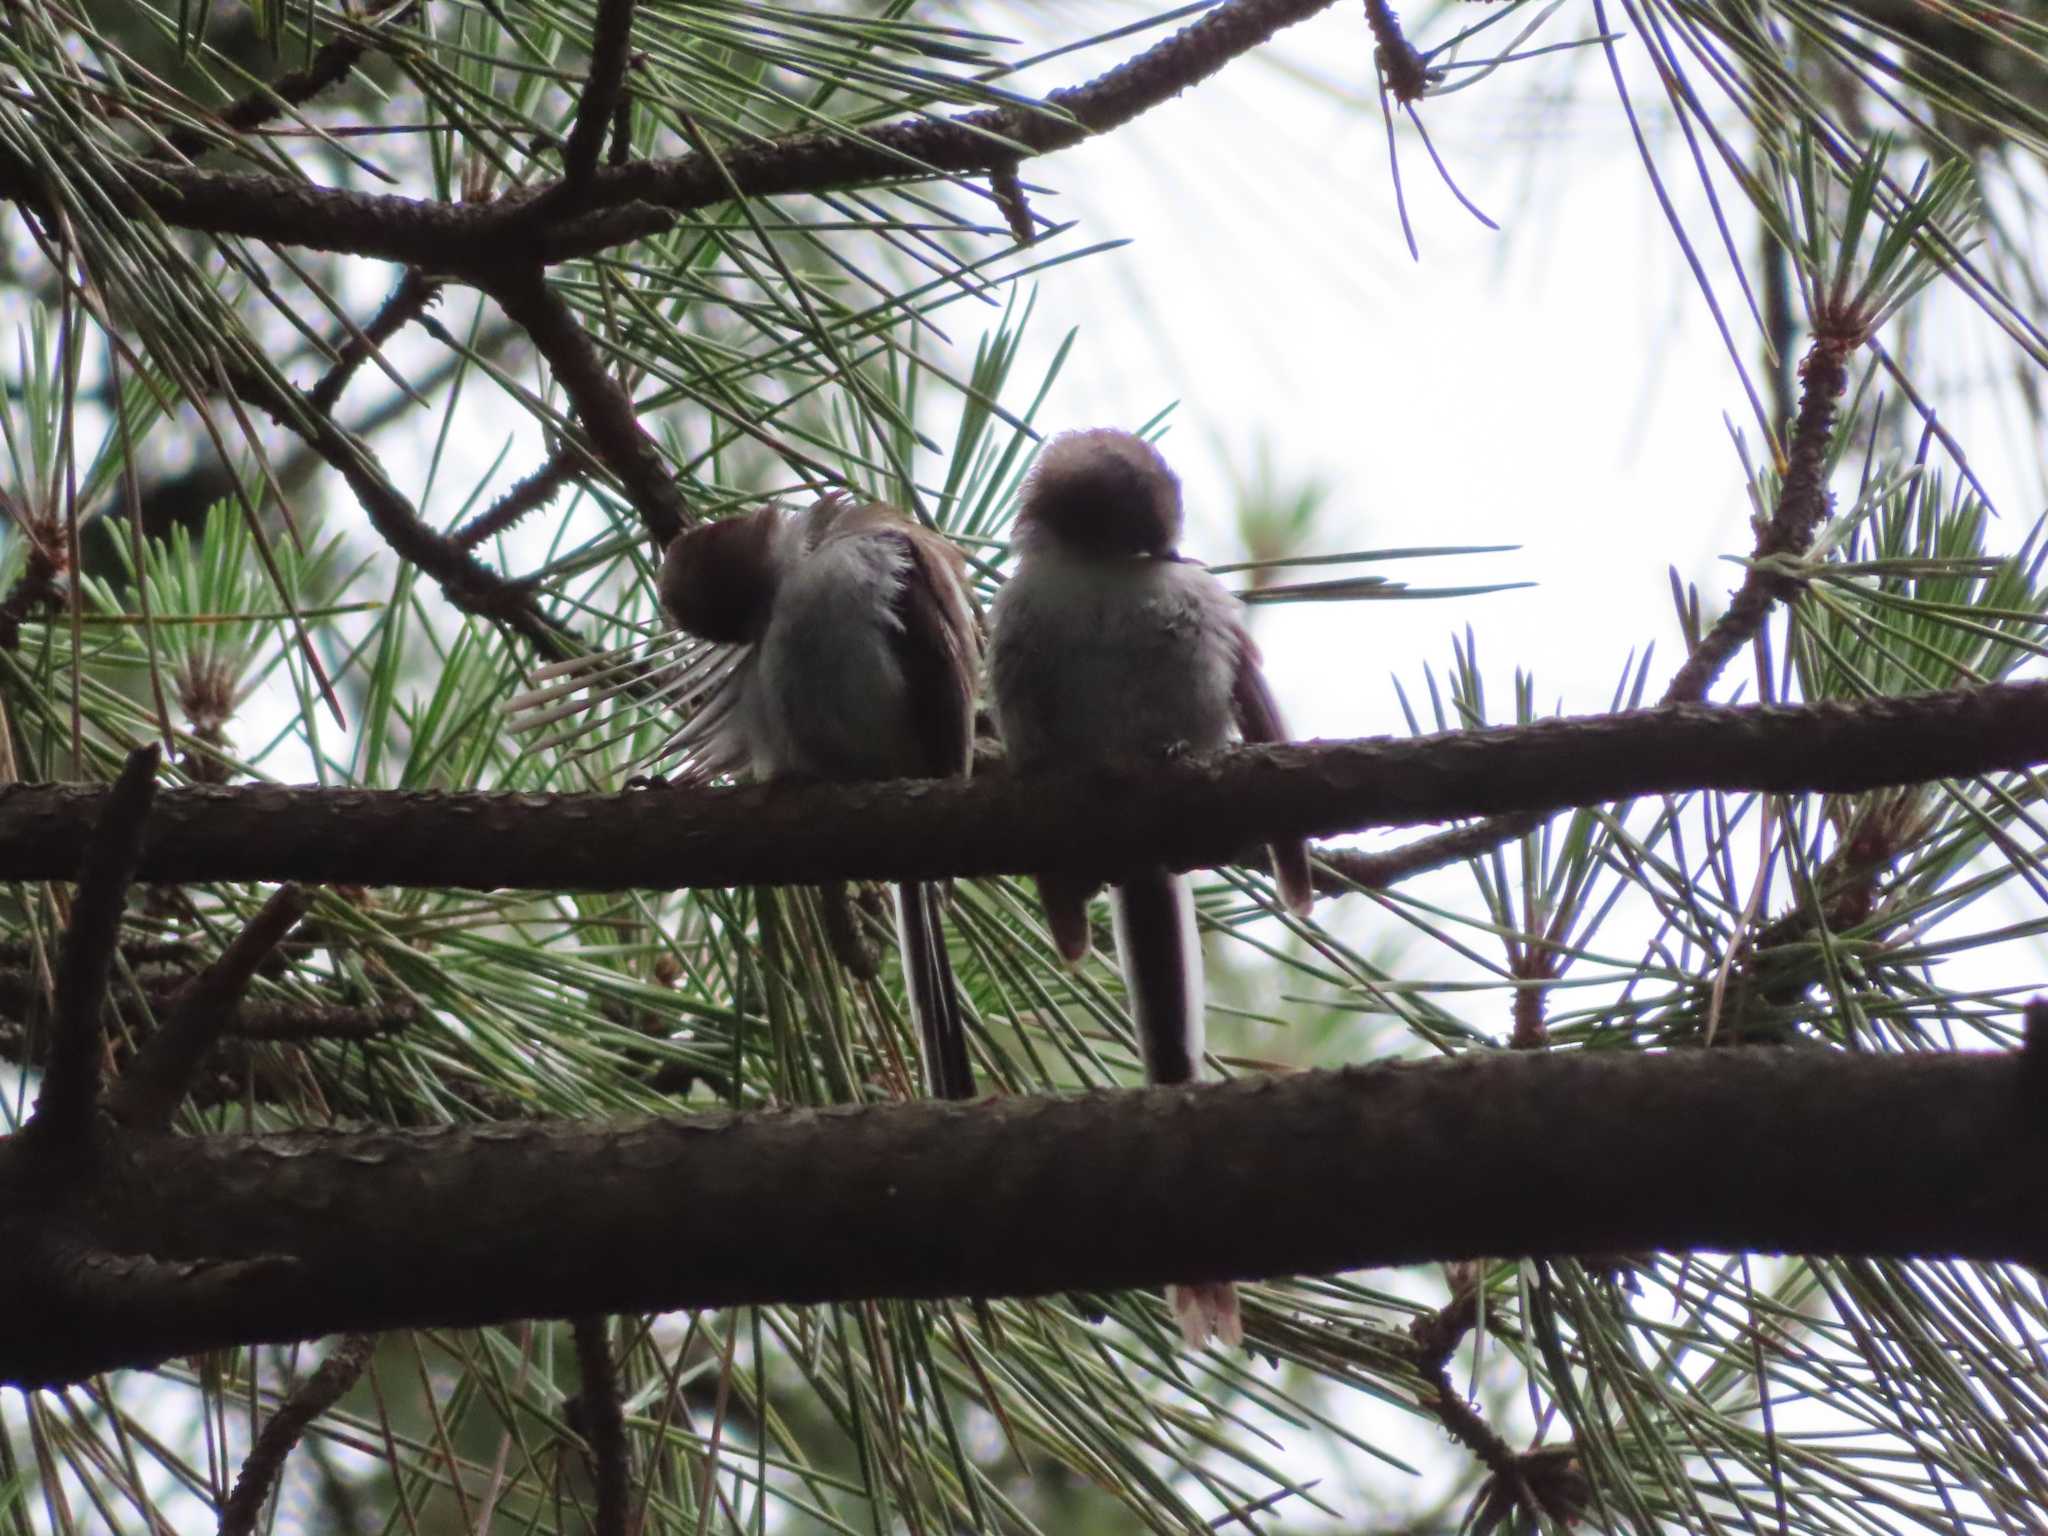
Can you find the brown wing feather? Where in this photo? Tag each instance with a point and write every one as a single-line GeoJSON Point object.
{"type": "Point", "coordinates": [940, 653]}
{"type": "Point", "coordinates": [1258, 719]}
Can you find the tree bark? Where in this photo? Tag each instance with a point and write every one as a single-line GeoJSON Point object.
{"type": "Point", "coordinates": [156, 1246]}
{"type": "Point", "coordinates": [1187, 812]}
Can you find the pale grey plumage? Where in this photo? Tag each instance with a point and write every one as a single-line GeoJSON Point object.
{"type": "Point", "coordinates": [1107, 648]}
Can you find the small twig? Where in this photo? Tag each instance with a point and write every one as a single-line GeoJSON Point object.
{"type": "Point", "coordinates": [287, 1022]}
{"type": "Point", "coordinates": [602, 403]}
{"type": "Point", "coordinates": [611, 45]}
{"type": "Point", "coordinates": [408, 301]}
{"type": "Point", "coordinates": [1536, 963]}
{"type": "Point", "coordinates": [333, 63]}
{"type": "Point", "coordinates": [602, 1423]}
{"type": "Point", "coordinates": [71, 1075]}
{"type": "Point", "coordinates": [529, 495]}
{"type": "Point", "coordinates": [1349, 868]}
{"type": "Point", "coordinates": [1803, 505]}
{"type": "Point", "coordinates": [620, 150]}
{"type": "Point", "coordinates": [269, 1019]}
{"type": "Point", "coordinates": [151, 1090]}
{"type": "Point", "coordinates": [265, 1464]}
{"type": "Point", "coordinates": [1008, 193]}
{"type": "Point", "coordinates": [470, 585]}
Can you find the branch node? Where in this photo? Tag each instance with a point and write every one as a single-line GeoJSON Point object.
{"type": "Point", "coordinates": [1407, 75]}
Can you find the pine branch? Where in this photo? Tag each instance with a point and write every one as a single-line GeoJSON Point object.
{"type": "Point", "coordinates": [259, 1476]}
{"type": "Point", "coordinates": [150, 1091]}
{"type": "Point", "coordinates": [629, 201]}
{"type": "Point", "coordinates": [71, 1076]}
{"type": "Point", "coordinates": [274, 1238]}
{"type": "Point", "coordinates": [1202, 810]}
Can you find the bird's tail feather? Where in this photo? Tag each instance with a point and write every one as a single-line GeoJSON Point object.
{"type": "Point", "coordinates": [1206, 1311]}
{"type": "Point", "coordinates": [1160, 950]}
{"type": "Point", "coordinates": [1153, 916]}
{"type": "Point", "coordinates": [934, 999]}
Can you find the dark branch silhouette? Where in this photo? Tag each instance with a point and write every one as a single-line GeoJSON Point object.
{"type": "Point", "coordinates": [629, 201]}
{"type": "Point", "coordinates": [1198, 811]}
{"type": "Point", "coordinates": [71, 1076]}
{"type": "Point", "coordinates": [255, 1238]}
{"type": "Point", "coordinates": [159, 1077]}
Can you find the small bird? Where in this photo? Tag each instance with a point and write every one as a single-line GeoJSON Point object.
{"type": "Point", "coordinates": [1108, 648]}
{"type": "Point", "coordinates": [840, 643]}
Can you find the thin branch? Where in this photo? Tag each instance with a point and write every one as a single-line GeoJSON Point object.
{"type": "Point", "coordinates": [150, 1091]}
{"type": "Point", "coordinates": [611, 46]}
{"type": "Point", "coordinates": [629, 201]}
{"type": "Point", "coordinates": [1202, 810]}
{"type": "Point", "coordinates": [602, 403]}
{"type": "Point", "coordinates": [265, 1465]}
{"type": "Point", "coordinates": [71, 1074]}
{"type": "Point", "coordinates": [1501, 1153]}
{"type": "Point", "coordinates": [467, 582]}
{"type": "Point", "coordinates": [602, 1422]}
{"type": "Point", "coordinates": [1803, 505]}
{"type": "Point", "coordinates": [275, 1019]}
{"type": "Point", "coordinates": [529, 495]}
{"type": "Point", "coordinates": [408, 301]}
{"type": "Point", "coordinates": [1375, 871]}
{"type": "Point", "coordinates": [1008, 192]}
{"type": "Point", "coordinates": [332, 63]}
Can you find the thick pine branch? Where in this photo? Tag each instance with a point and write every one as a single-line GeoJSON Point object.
{"type": "Point", "coordinates": [630, 201]}
{"type": "Point", "coordinates": [1198, 811]}
{"type": "Point", "coordinates": [235, 1239]}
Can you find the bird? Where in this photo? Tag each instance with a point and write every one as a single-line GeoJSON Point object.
{"type": "Point", "coordinates": [1108, 648]}
{"type": "Point", "coordinates": [840, 643]}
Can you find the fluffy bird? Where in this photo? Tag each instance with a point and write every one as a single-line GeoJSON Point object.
{"type": "Point", "coordinates": [838, 643]}
{"type": "Point", "coordinates": [1108, 648]}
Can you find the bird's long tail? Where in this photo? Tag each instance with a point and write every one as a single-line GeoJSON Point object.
{"type": "Point", "coordinates": [934, 999]}
{"type": "Point", "coordinates": [1160, 950]}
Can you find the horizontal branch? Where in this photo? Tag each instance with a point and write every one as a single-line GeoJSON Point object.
{"type": "Point", "coordinates": [626, 202]}
{"type": "Point", "coordinates": [183, 1245]}
{"type": "Point", "coordinates": [1188, 812]}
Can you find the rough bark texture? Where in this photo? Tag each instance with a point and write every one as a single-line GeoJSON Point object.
{"type": "Point", "coordinates": [295, 1236]}
{"type": "Point", "coordinates": [1200, 811]}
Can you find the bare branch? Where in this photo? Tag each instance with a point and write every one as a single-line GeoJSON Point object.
{"type": "Point", "coordinates": [602, 403]}
{"type": "Point", "coordinates": [318, 1393]}
{"type": "Point", "coordinates": [611, 45]}
{"type": "Point", "coordinates": [1803, 505]}
{"type": "Point", "coordinates": [408, 301]}
{"type": "Point", "coordinates": [71, 1075]}
{"type": "Point", "coordinates": [602, 1423]}
{"type": "Point", "coordinates": [1501, 1153]}
{"type": "Point", "coordinates": [466, 581]}
{"type": "Point", "coordinates": [150, 1091]}
{"type": "Point", "coordinates": [530, 494]}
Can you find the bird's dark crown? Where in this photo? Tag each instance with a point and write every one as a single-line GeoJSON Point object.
{"type": "Point", "coordinates": [1104, 493]}
{"type": "Point", "coordinates": [718, 582]}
